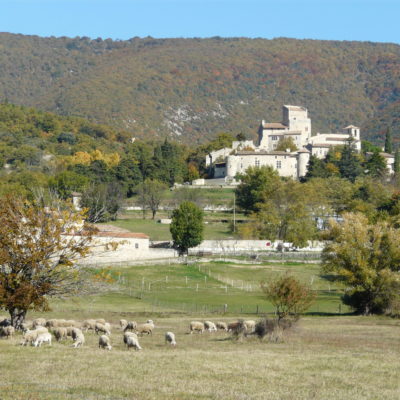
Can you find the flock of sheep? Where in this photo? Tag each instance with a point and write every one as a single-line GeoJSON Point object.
{"type": "Point", "coordinates": [41, 331]}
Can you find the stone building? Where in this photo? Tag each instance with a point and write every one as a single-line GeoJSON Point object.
{"type": "Point", "coordinates": [296, 125]}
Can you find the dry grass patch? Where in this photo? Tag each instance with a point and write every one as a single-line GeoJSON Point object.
{"type": "Point", "coordinates": [324, 358]}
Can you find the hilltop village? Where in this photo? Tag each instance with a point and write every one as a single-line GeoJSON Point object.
{"type": "Point", "coordinates": [295, 129]}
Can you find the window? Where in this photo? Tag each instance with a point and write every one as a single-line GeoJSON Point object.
{"type": "Point", "coordinates": [274, 137]}
{"type": "Point", "coordinates": [136, 245]}
{"type": "Point", "coordinates": [257, 163]}
{"type": "Point", "coordinates": [279, 164]}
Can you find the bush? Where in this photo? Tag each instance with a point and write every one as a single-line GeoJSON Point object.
{"type": "Point", "coordinates": [289, 296]}
{"type": "Point", "coordinates": [273, 327]}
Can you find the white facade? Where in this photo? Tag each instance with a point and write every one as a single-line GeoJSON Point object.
{"type": "Point", "coordinates": [296, 125]}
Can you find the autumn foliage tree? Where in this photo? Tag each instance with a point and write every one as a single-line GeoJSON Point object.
{"type": "Point", "coordinates": [38, 249]}
{"type": "Point", "coordinates": [366, 257]}
{"type": "Point", "coordinates": [288, 295]}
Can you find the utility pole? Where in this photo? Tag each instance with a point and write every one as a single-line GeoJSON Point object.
{"type": "Point", "coordinates": [234, 212]}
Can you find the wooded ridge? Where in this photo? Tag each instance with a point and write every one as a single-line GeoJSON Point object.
{"type": "Point", "coordinates": [192, 89]}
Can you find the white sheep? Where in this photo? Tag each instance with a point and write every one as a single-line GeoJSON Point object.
{"type": "Point", "coordinates": [123, 323]}
{"type": "Point", "coordinates": [128, 334]}
{"type": "Point", "coordinates": [38, 322]}
{"type": "Point", "coordinates": [102, 328]}
{"type": "Point", "coordinates": [60, 333]}
{"type": "Point", "coordinates": [222, 325]}
{"type": "Point", "coordinates": [101, 321]}
{"type": "Point", "coordinates": [170, 338]}
{"type": "Point", "coordinates": [7, 331]}
{"type": "Point", "coordinates": [89, 324]}
{"type": "Point", "coordinates": [104, 342]}
{"type": "Point", "coordinates": [132, 341]}
{"type": "Point", "coordinates": [79, 338]}
{"type": "Point", "coordinates": [44, 337]}
{"type": "Point", "coordinates": [75, 333]}
{"type": "Point", "coordinates": [250, 325]}
{"type": "Point", "coordinates": [196, 326]}
{"type": "Point", "coordinates": [145, 328]}
{"type": "Point", "coordinates": [31, 335]}
{"type": "Point", "coordinates": [210, 326]}
{"type": "Point", "coordinates": [130, 325]}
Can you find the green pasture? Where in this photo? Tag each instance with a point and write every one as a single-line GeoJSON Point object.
{"type": "Point", "coordinates": [203, 287]}
{"type": "Point", "coordinates": [157, 231]}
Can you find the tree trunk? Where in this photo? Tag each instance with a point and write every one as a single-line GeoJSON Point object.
{"type": "Point", "coordinates": [17, 317]}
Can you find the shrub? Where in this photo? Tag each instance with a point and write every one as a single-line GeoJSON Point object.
{"type": "Point", "coordinates": [289, 296]}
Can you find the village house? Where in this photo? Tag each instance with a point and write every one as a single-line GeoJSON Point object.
{"type": "Point", "coordinates": [229, 162]}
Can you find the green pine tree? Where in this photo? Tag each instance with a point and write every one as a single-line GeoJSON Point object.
{"type": "Point", "coordinates": [396, 165]}
{"type": "Point", "coordinates": [376, 165]}
{"type": "Point", "coordinates": [388, 141]}
{"type": "Point", "coordinates": [349, 164]}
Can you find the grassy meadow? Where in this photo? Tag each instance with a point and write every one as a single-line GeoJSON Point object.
{"type": "Point", "coordinates": [327, 356]}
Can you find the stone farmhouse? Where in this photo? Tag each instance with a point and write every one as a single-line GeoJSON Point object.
{"type": "Point", "coordinates": [296, 124]}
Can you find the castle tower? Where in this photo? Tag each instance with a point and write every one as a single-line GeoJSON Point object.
{"type": "Point", "coordinates": [296, 118]}
{"type": "Point", "coordinates": [303, 159]}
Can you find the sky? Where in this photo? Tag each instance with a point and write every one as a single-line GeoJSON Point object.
{"type": "Point", "coordinates": [365, 20]}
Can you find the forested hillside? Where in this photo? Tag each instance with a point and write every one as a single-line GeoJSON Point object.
{"type": "Point", "coordinates": [192, 89]}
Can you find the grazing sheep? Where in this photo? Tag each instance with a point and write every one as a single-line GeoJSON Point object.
{"type": "Point", "coordinates": [210, 326]}
{"type": "Point", "coordinates": [128, 334]}
{"type": "Point", "coordinates": [196, 326]}
{"type": "Point", "coordinates": [102, 328]}
{"type": "Point", "coordinates": [72, 323]}
{"type": "Point", "coordinates": [132, 341]}
{"type": "Point", "coordinates": [44, 337]}
{"type": "Point", "coordinates": [104, 342]}
{"type": "Point", "coordinates": [222, 326]}
{"type": "Point", "coordinates": [170, 338]}
{"type": "Point", "coordinates": [31, 335]}
{"type": "Point", "coordinates": [7, 331]}
{"type": "Point", "coordinates": [57, 323]}
{"type": "Point", "coordinates": [79, 338]}
{"type": "Point", "coordinates": [24, 326]}
{"type": "Point", "coordinates": [145, 328]}
{"type": "Point", "coordinates": [60, 333]}
{"type": "Point", "coordinates": [123, 323]}
{"type": "Point", "coordinates": [89, 324]}
{"type": "Point", "coordinates": [38, 322]}
{"type": "Point", "coordinates": [233, 326]}
{"type": "Point", "coordinates": [250, 325]}
{"type": "Point", "coordinates": [75, 333]}
{"type": "Point", "coordinates": [130, 325]}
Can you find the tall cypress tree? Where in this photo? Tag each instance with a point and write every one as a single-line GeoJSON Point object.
{"type": "Point", "coordinates": [396, 166]}
{"type": "Point", "coordinates": [388, 141]}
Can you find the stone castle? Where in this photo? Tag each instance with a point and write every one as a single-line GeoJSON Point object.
{"type": "Point", "coordinates": [296, 124]}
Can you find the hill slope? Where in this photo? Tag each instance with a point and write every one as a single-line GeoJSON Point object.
{"type": "Point", "coordinates": [193, 88]}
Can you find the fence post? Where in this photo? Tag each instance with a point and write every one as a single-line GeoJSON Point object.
{"type": "Point", "coordinates": [257, 309]}
{"type": "Point", "coordinates": [225, 308]}
{"type": "Point", "coordinates": [186, 279]}
{"type": "Point", "coordinates": [197, 289]}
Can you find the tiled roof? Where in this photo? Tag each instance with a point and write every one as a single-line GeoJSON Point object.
{"type": "Point", "coordinates": [126, 235]}
{"type": "Point", "coordinates": [295, 108]}
{"type": "Point", "coordinates": [351, 126]}
{"type": "Point", "coordinates": [274, 125]}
